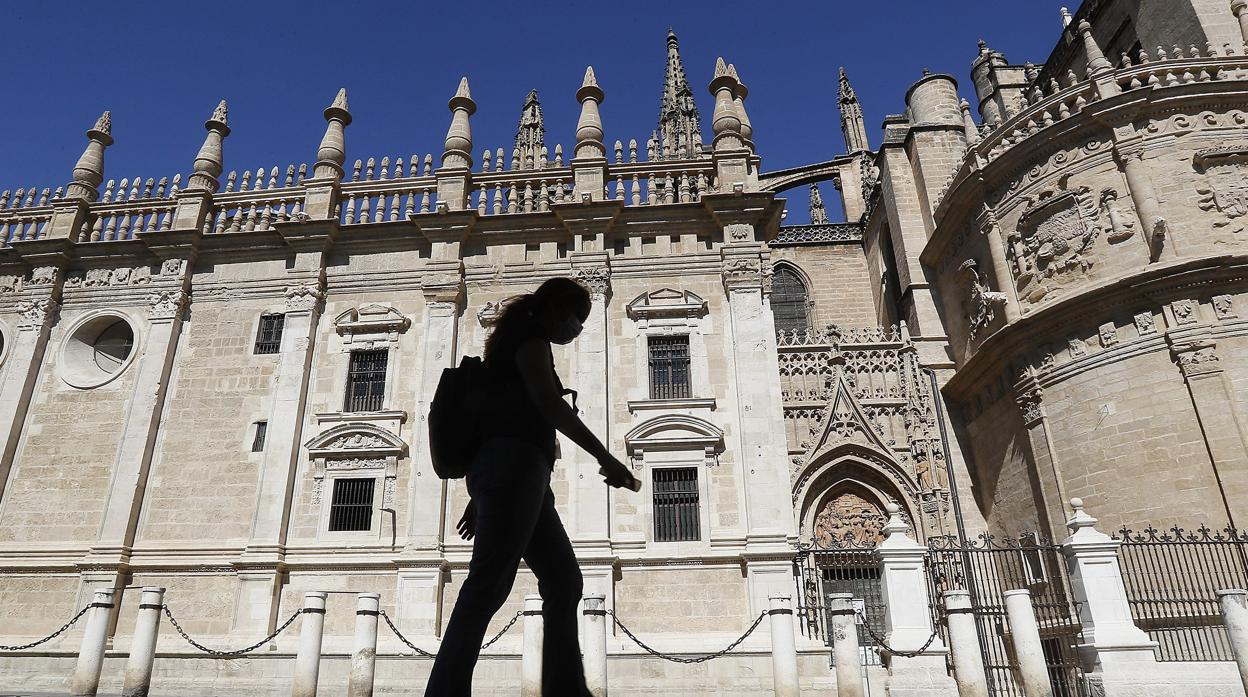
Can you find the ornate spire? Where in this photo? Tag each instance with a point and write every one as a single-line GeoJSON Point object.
{"type": "Point", "coordinates": [680, 126]}
{"type": "Point", "coordinates": [725, 122]}
{"type": "Point", "coordinates": [89, 171]}
{"type": "Point", "coordinates": [208, 163]}
{"type": "Point", "coordinates": [531, 133]}
{"type": "Point", "coordinates": [852, 125]}
{"type": "Point", "coordinates": [589, 126]}
{"type": "Point", "coordinates": [333, 150]}
{"type": "Point", "coordinates": [818, 214]}
{"type": "Point", "coordinates": [457, 149]}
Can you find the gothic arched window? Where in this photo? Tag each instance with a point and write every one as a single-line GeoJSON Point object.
{"type": "Point", "coordinates": [789, 302]}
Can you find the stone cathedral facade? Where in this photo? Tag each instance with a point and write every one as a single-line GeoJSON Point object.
{"type": "Point", "coordinates": [217, 383]}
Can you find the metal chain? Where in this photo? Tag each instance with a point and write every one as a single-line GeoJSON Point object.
{"type": "Point", "coordinates": [51, 636]}
{"type": "Point", "coordinates": [501, 632]}
{"type": "Point", "coordinates": [426, 654]}
{"type": "Point", "coordinates": [698, 659]}
{"type": "Point", "coordinates": [239, 652]}
{"type": "Point", "coordinates": [402, 638]}
{"type": "Point", "coordinates": [904, 654]}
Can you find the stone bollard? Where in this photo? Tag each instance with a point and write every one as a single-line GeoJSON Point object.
{"type": "Point", "coordinates": [364, 652]}
{"type": "Point", "coordinates": [1234, 604]}
{"type": "Point", "coordinates": [531, 649]}
{"type": "Point", "coordinates": [86, 678]}
{"type": "Point", "coordinates": [595, 644]}
{"type": "Point", "coordinates": [968, 662]}
{"type": "Point", "coordinates": [783, 650]}
{"type": "Point", "coordinates": [138, 678]}
{"type": "Point", "coordinates": [1028, 651]}
{"type": "Point", "coordinates": [843, 628]}
{"type": "Point", "coordinates": [308, 660]}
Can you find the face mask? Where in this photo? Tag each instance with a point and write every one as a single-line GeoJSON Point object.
{"type": "Point", "coordinates": [567, 331]}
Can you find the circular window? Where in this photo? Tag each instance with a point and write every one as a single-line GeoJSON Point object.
{"type": "Point", "coordinates": [97, 350]}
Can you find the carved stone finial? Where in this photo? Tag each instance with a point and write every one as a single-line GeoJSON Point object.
{"type": "Point", "coordinates": [89, 170]}
{"type": "Point", "coordinates": [1097, 62]}
{"type": "Point", "coordinates": [209, 161]}
{"type": "Point", "coordinates": [104, 124]}
{"type": "Point", "coordinates": [725, 123]}
{"type": "Point", "coordinates": [818, 213]}
{"type": "Point", "coordinates": [969, 129]}
{"type": "Point", "coordinates": [589, 132]}
{"type": "Point", "coordinates": [895, 525]}
{"type": "Point", "coordinates": [457, 148]}
{"type": "Point", "coordinates": [1083, 526]}
{"type": "Point", "coordinates": [220, 114]}
{"type": "Point", "coordinates": [333, 150]}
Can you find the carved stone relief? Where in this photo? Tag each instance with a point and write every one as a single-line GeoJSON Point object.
{"type": "Point", "coordinates": [596, 278]}
{"type": "Point", "coordinates": [1224, 306]}
{"type": "Point", "coordinates": [1108, 334]}
{"type": "Point", "coordinates": [1144, 323]}
{"type": "Point", "coordinates": [981, 302]}
{"type": "Point", "coordinates": [1055, 234]}
{"type": "Point", "coordinates": [1184, 311]}
{"type": "Point", "coordinates": [849, 518]}
{"type": "Point", "coordinates": [34, 313]}
{"type": "Point", "coordinates": [302, 297]}
{"type": "Point", "coordinates": [165, 304]}
{"type": "Point", "coordinates": [105, 278]}
{"type": "Point", "coordinates": [1225, 191]}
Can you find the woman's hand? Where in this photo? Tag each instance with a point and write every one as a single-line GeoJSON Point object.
{"type": "Point", "coordinates": [617, 474]}
{"type": "Point", "coordinates": [467, 525]}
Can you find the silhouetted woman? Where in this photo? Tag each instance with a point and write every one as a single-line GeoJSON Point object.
{"type": "Point", "coordinates": [512, 509]}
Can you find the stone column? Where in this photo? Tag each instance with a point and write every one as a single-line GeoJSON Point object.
{"type": "Point", "coordinates": [908, 617]}
{"type": "Point", "coordinates": [308, 658]}
{"type": "Point", "coordinates": [846, 654]}
{"type": "Point", "coordinates": [1195, 352]}
{"type": "Point", "coordinates": [1130, 156]}
{"type": "Point", "coordinates": [594, 644]}
{"type": "Point", "coordinates": [143, 412]}
{"type": "Point", "coordinates": [968, 662]}
{"type": "Point", "coordinates": [364, 651]}
{"type": "Point", "coordinates": [86, 678]}
{"type": "Point", "coordinates": [991, 230]}
{"type": "Point", "coordinates": [1237, 8]}
{"type": "Point", "coordinates": [1025, 638]}
{"type": "Point", "coordinates": [260, 569]}
{"type": "Point", "coordinates": [591, 499]}
{"type": "Point", "coordinates": [760, 451]}
{"type": "Point", "coordinates": [38, 311]}
{"type": "Point", "coordinates": [420, 563]}
{"type": "Point", "coordinates": [1234, 604]}
{"type": "Point", "coordinates": [783, 650]}
{"type": "Point", "coordinates": [138, 678]}
{"type": "Point", "coordinates": [531, 648]}
{"type": "Point", "coordinates": [1029, 398]}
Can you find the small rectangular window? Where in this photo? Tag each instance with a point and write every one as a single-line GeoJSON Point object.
{"type": "Point", "coordinates": [676, 504]}
{"type": "Point", "coordinates": [269, 337]}
{"type": "Point", "coordinates": [351, 509]}
{"type": "Point", "coordinates": [262, 429]}
{"type": "Point", "coordinates": [366, 380]}
{"type": "Point", "coordinates": [669, 367]}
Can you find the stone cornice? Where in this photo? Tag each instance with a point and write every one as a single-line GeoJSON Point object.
{"type": "Point", "coordinates": [1156, 284]}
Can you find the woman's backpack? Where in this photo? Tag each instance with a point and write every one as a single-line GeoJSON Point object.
{"type": "Point", "coordinates": [455, 417]}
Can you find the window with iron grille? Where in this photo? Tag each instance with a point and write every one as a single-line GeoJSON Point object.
{"type": "Point", "coordinates": [257, 443]}
{"type": "Point", "coordinates": [351, 509]}
{"type": "Point", "coordinates": [269, 337]}
{"type": "Point", "coordinates": [366, 380]}
{"type": "Point", "coordinates": [669, 367]}
{"type": "Point", "coordinates": [789, 301]}
{"type": "Point", "coordinates": [676, 504]}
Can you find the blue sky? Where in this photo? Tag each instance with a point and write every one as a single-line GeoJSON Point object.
{"type": "Point", "coordinates": [162, 67]}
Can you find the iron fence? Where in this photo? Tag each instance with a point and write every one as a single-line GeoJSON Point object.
{"type": "Point", "coordinates": [989, 566]}
{"type": "Point", "coordinates": [1172, 579]}
{"type": "Point", "coordinates": [847, 567]}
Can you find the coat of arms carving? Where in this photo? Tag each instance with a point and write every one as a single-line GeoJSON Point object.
{"type": "Point", "coordinates": [1226, 188]}
{"type": "Point", "coordinates": [1055, 234]}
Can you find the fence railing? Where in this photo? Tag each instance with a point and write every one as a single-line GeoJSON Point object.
{"type": "Point", "coordinates": [1172, 579]}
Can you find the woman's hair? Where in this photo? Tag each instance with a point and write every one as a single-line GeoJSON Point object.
{"type": "Point", "coordinates": [517, 321]}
